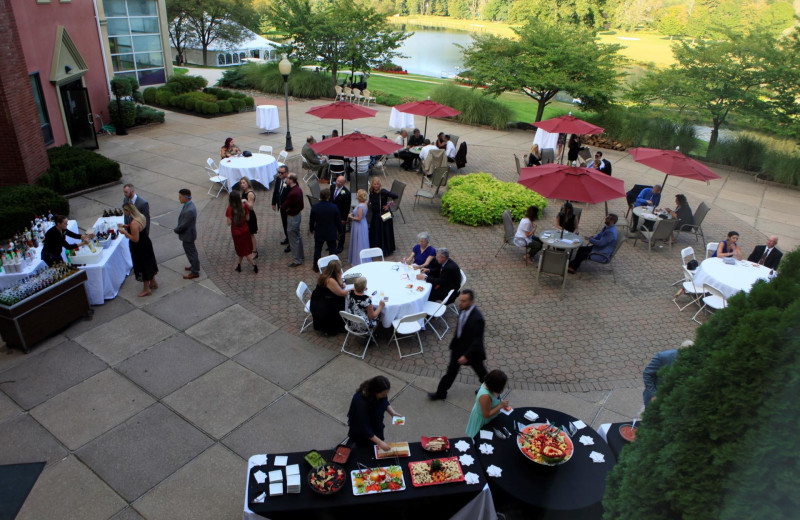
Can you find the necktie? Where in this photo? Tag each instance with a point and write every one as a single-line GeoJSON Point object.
{"type": "Point", "coordinates": [336, 193]}
{"type": "Point", "coordinates": [764, 257]}
{"type": "Point", "coordinates": [461, 319]}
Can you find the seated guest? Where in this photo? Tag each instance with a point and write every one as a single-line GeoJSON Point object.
{"type": "Point", "coordinates": [566, 218]}
{"type": "Point", "coordinates": [535, 157]}
{"type": "Point", "coordinates": [683, 213]}
{"type": "Point", "coordinates": [525, 233]}
{"type": "Point", "coordinates": [646, 197]}
{"type": "Point", "coordinates": [416, 139]}
{"type": "Point", "coordinates": [423, 253]}
{"type": "Point", "coordinates": [54, 241]}
{"type": "Point", "coordinates": [450, 149]}
{"type": "Point", "coordinates": [444, 275]}
{"type": "Point", "coordinates": [767, 255]}
{"type": "Point", "coordinates": [328, 299]}
{"type": "Point", "coordinates": [605, 164]}
{"type": "Point", "coordinates": [402, 140]}
{"type": "Point", "coordinates": [229, 149]}
{"type": "Point", "coordinates": [441, 141]}
{"type": "Point", "coordinates": [360, 304]}
{"type": "Point", "coordinates": [601, 245]}
{"type": "Point", "coordinates": [315, 162]}
{"type": "Point", "coordinates": [729, 247]}
{"type": "Point", "coordinates": [403, 154]}
{"type": "Point", "coordinates": [426, 149]}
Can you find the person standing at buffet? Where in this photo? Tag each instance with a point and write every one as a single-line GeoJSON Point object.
{"type": "Point", "coordinates": [187, 232]}
{"type": "Point", "coordinates": [55, 240]}
{"type": "Point", "coordinates": [145, 267]}
{"type": "Point", "coordinates": [130, 195]}
{"type": "Point", "coordinates": [365, 417]}
{"type": "Point", "coordinates": [488, 402]}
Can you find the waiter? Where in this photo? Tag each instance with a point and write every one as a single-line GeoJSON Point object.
{"type": "Point", "coordinates": [55, 239]}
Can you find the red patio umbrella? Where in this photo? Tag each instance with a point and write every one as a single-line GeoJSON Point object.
{"type": "Point", "coordinates": [673, 162]}
{"type": "Point", "coordinates": [558, 181]}
{"type": "Point", "coordinates": [568, 125]}
{"type": "Point", "coordinates": [355, 145]}
{"type": "Point", "coordinates": [427, 108]}
{"type": "Point", "coordinates": [342, 110]}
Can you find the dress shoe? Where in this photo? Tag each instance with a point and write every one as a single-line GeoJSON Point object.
{"type": "Point", "coordinates": [285, 241]}
{"type": "Point", "coordinates": [287, 250]}
{"type": "Point", "coordinates": [255, 269]}
{"type": "Point", "coordinates": [191, 276]}
{"type": "Point", "coordinates": [433, 396]}
{"type": "Point", "coordinates": [238, 268]}
{"type": "Point", "coordinates": [295, 264]}
{"type": "Point", "coordinates": [187, 268]}
{"type": "Point", "coordinates": [256, 255]}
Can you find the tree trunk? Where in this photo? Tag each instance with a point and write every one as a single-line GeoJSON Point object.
{"type": "Point", "coordinates": [712, 141]}
{"type": "Point", "coordinates": [540, 109]}
{"type": "Point", "coordinates": [205, 54]}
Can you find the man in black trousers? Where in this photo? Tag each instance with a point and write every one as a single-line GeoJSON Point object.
{"type": "Point", "coordinates": [342, 199]}
{"type": "Point", "coordinates": [279, 193]}
{"type": "Point", "coordinates": [444, 274]}
{"type": "Point", "coordinates": [325, 224]}
{"type": "Point", "coordinates": [467, 345]}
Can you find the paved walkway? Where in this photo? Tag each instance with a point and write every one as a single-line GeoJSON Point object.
{"type": "Point", "coordinates": [150, 409]}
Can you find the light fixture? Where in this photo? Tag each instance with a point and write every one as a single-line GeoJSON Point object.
{"type": "Point", "coordinates": [285, 68]}
{"type": "Point", "coordinates": [67, 69]}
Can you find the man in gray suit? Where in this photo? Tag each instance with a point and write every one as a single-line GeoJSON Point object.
{"type": "Point", "coordinates": [142, 205]}
{"type": "Point", "coordinates": [188, 233]}
{"type": "Point", "coordinates": [659, 361]}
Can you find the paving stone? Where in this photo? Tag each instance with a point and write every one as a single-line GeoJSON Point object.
{"type": "Point", "coordinates": [168, 280]}
{"type": "Point", "coordinates": [128, 513]}
{"type": "Point", "coordinates": [131, 333]}
{"type": "Point", "coordinates": [90, 408]}
{"type": "Point", "coordinates": [102, 313]}
{"type": "Point", "coordinates": [69, 490]}
{"type": "Point", "coordinates": [223, 398]}
{"type": "Point", "coordinates": [208, 487]}
{"type": "Point", "coordinates": [182, 309]}
{"type": "Point", "coordinates": [143, 451]}
{"type": "Point", "coordinates": [43, 375]}
{"type": "Point", "coordinates": [25, 440]}
{"type": "Point", "coordinates": [8, 409]}
{"type": "Point", "coordinates": [625, 401]}
{"type": "Point", "coordinates": [424, 417]}
{"type": "Point", "coordinates": [169, 365]}
{"type": "Point", "coordinates": [10, 357]}
{"type": "Point", "coordinates": [231, 330]}
{"type": "Point", "coordinates": [608, 416]}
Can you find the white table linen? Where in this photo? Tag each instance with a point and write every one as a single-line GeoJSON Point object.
{"type": "Point", "coordinates": [729, 279]}
{"type": "Point", "coordinates": [259, 167]}
{"type": "Point", "coordinates": [388, 277]}
{"type": "Point", "coordinates": [267, 117]}
{"type": "Point", "coordinates": [106, 277]}
{"type": "Point", "coordinates": [400, 120]}
{"type": "Point", "coordinates": [8, 280]}
{"type": "Point", "coordinates": [545, 140]}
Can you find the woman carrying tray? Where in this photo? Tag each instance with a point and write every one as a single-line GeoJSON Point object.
{"type": "Point", "coordinates": [365, 417]}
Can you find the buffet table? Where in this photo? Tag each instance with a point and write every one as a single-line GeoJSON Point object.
{"type": "Point", "coordinates": [258, 167]}
{"type": "Point", "coordinates": [610, 432]}
{"type": "Point", "coordinates": [467, 501]}
{"type": "Point", "coordinates": [106, 276]}
{"type": "Point", "coordinates": [571, 490]}
{"type": "Point", "coordinates": [267, 117]}
{"type": "Point", "coordinates": [392, 280]}
{"type": "Point", "coordinates": [10, 279]}
{"type": "Point", "coordinates": [729, 279]}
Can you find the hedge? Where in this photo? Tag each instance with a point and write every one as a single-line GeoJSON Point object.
{"type": "Point", "coordinates": [128, 113]}
{"type": "Point", "coordinates": [20, 204]}
{"type": "Point", "coordinates": [73, 169]}
{"type": "Point", "coordinates": [183, 92]}
{"type": "Point", "coordinates": [476, 108]}
{"type": "Point", "coordinates": [303, 83]}
{"type": "Point", "coordinates": [146, 115]}
{"type": "Point", "coordinates": [479, 199]}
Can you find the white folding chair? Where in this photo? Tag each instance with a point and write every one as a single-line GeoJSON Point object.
{"type": "Point", "coordinates": [212, 165]}
{"type": "Point", "coordinates": [353, 325]}
{"type": "Point", "coordinates": [339, 93]}
{"type": "Point", "coordinates": [282, 157]}
{"type": "Point", "coordinates": [454, 305]}
{"type": "Point", "coordinates": [302, 290]}
{"type": "Point", "coordinates": [311, 173]}
{"type": "Point", "coordinates": [265, 148]}
{"type": "Point", "coordinates": [367, 97]}
{"type": "Point", "coordinates": [687, 255]}
{"type": "Point", "coordinates": [689, 289]}
{"type": "Point", "coordinates": [713, 298]}
{"type": "Point", "coordinates": [407, 326]}
{"type": "Point", "coordinates": [437, 310]}
{"type": "Point", "coordinates": [372, 252]}
{"type": "Point", "coordinates": [323, 262]}
{"type": "Point", "coordinates": [381, 164]}
{"type": "Point", "coordinates": [710, 248]}
{"type": "Point", "coordinates": [215, 178]}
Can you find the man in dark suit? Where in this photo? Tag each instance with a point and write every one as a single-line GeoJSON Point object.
{"type": "Point", "coordinates": [279, 193]}
{"type": "Point", "coordinates": [659, 361]}
{"type": "Point", "coordinates": [444, 274]}
{"type": "Point", "coordinates": [343, 201]}
{"type": "Point", "coordinates": [325, 224]}
{"type": "Point", "coordinates": [142, 205]}
{"type": "Point", "coordinates": [467, 345]}
{"type": "Point", "coordinates": [605, 164]}
{"type": "Point", "coordinates": [768, 255]}
{"type": "Point", "coordinates": [187, 232]}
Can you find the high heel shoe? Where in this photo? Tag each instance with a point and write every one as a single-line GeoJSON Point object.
{"type": "Point", "coordinates": [238, 268]}
{"type": "Point", "coordinates": [255, 269]}
{"type": "Point", "coordinates": [256, 255]}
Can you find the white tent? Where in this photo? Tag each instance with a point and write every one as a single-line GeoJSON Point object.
{"type": "Point", "coordinates": [224, 54]}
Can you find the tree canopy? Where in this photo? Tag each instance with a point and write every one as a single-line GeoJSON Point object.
{"type": "Point", "coordinates": [544, 60]}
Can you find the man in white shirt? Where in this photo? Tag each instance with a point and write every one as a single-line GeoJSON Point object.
{"type": "Point", "coordinates": [426, 150]}
{"type": "Point", "coordinates": [450, 150]}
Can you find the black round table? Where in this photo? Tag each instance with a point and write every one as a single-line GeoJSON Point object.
{"type": "Point", "coordinates": [575, 487]}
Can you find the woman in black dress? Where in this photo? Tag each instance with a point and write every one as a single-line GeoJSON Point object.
{"type": "Point", "coordinates": [328, 299]}
{"type": "Point", "coordinates": [365, 416]}
{"type": "Point", "coordinates": [573, 147]}
{"type": "Point", "coordinates": [249, 198]}
{"type": "Point", "coordinates": [145, 267]}
{"type": "Point", "coordinates": [381, 232]}
{"type": "Point", "coordinates": [566, 218]}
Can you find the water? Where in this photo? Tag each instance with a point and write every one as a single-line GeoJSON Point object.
{"type": "Point", "coordinates": [432, 51]}
{"type": "Point", "coordinates": [704, 133]}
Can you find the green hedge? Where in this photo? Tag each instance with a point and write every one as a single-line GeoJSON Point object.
{"type": "Point", "coordinates": [633, 127]}
{"type": "Point", "coordinates": [185, 83]}
{"type": "Point", "coordinates": [476, 108]}
{"type": "Point", "coordinates": [211, 101]}
{"type": "Point", "coordinates": [20, 204]}
{"type": "Point", "coordinates": [128, 113]}
{"type": "Point", "coordinates": [266, 78]}
{"type": "Point", "coordinates": [479, 199]}
{"type": "Point", "coordinates": [73, 169]}
{"type": "Point", "coordinates": [146, 115]}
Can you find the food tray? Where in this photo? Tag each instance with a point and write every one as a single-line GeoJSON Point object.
{"type": "Point", "coordinates": [342, 453]}
{"type": "Point", "coordinates": [627, 428]}
{"type": "Point", "coordinates": [427, 440]}
{"type": "Point", "coordinates": [394, 474]}
{"type": "Point", "coordinates": [335, 471]}
{"type": "Point", "coordinates": [399, 450]}
{"type": "Point", "coordinates": [537, 426]}
{"type": "Point", "coordinates": [426, 464]}
{"type": "Point", "coordinates": [85, 256]}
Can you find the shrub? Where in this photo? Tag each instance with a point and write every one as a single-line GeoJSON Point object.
{"type": "Point", "coordinates": [163, 96]}
{"type": "Point", "coordinates": [266, 78]}
{"type": "Point", "coordinates": [720, 440]}
{"type": "Point", "coordinates": [479, 199]}
{"type": "Point", "coordinates": [72, 169]}
{"type": "Point", "coordinates": [20, 204]}
{"type": "Point", "coordinates": [128, 113]}
{"type": "Point", "coordinates": [783, 168]}
{"type": "Point", "coordinates": [146, 115]}
{"type": "Point", "coordinates": [149, 95]}
{"type": "Point", "coordinates": [237, 104]}
{"type": "Point", "coordinates": [225, 106]}
{"type": "Point", "coordinates": [476, 108]}
{"type": "Point", "coordinates": [210, 108]}
{"type": "Point", "coordinates": [745, 152]}
{"type": "Point", "coordinates": [249, 102]}
{"type": "Point", "coordinates": [236, 77]}
{"type": "Point", "coordinates": [185, 83]}
{"type": "Point", "coordinates": [685, 136]}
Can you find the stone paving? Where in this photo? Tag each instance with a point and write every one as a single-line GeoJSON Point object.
{"type": "Point", "coordinates": [151, 408]}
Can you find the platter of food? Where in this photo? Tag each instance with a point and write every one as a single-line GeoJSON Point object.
{"type": "Point", "coordinates": [628, 432]}
{"type": "Point", "coordinates": [341, 454]}
{"type": "Point", "coordinates": [397, 449]}
{"type": "Point", "coordinates": [436, 471]}
{"type": "Point", "coordinates": [326, 479]}
{"type": "Point", "coordinates": [435, 444]}
{"type": "Point", "coordinates": [545, 444]}
{"type": "Point", "coordinates": [370, 481]}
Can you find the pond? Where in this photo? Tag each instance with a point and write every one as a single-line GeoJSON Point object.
{"type": "Point", "coordinates": [432, 51]}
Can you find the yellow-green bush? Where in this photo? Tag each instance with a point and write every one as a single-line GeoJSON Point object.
{"type": "Point", "coordinates": [479, 199]}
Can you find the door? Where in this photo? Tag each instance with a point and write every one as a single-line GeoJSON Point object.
{"type": "Point", "coordinates": [78, 112]}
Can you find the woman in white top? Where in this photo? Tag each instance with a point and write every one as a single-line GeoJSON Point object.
{"type": "Point", "coordinates": [525, 232]}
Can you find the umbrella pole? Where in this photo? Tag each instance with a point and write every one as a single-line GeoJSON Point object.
{"type": "Point", "coordinates": [342, 134]}
{"type": "Point", "coordinates": [664, 184]}
{"type": "Point", "coordinates": [426, 127]}
{"type": "Point", "coordinates": [606, 203]}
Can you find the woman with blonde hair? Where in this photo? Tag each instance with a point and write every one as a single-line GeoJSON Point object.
{"type": "Point", "coordinates": [327, 300]}
{"type": "Point", "coordinates": [359, 230]}
{"type": "Point", "coordinates": [535, 157]}
{"type": "Point", "coordinates": [145, 267]}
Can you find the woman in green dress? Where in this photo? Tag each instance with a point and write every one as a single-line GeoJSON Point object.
{"type": "Point", "coordinates": [487, 402]}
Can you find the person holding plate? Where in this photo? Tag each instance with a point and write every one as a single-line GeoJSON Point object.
{"type": "Point", "coordinates": [365, 416]}
{"type": "Point", "coordinates": [487, 402]}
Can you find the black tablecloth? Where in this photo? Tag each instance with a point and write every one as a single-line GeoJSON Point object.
{"type": "Point", "coordinates": [615, 440]}
{"type": "Point", "coordinates": [439, 501]}
{"type": "Point", "coordinates": [577, 484]}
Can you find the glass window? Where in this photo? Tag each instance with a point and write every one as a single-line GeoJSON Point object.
{"type": "Point", "coordinates": [41, 108]}
{"type": "Point", "coordinates": [242, 55]}
{"type": "Point", "coordinates": [144, 25]}
{"type": "Point", "coordinates": [146, 43]}
{"type": "Point", "coordinates": [120, 44]}
{"type": "Point", "coordinates": [228, 59]}
{"type": "Point", "coordinates": [152, 77]}
{"type": "Point", "coordinates": [122, 62]}
{"type": "Point", "coordinates": [235, 58]}
{"type": "Point", "coordinates": [220, 59]}
{"type": "Point", "coordinates": [149, 60]}
{"type": "Point", "coordinates": [142, 8]}
{"type": "Point", "coordinates": [118, 26]}
{"type": "Point", "coordinates": [114, 7]}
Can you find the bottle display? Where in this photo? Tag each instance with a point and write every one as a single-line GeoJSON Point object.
{"type": "Point", "coordinates": [39, 280]}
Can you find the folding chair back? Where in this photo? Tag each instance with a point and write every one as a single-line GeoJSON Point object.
{"type": "Point", "coordinates": [356, 326]}
{"type": "Point", "coordinates": [687, 255]}
{"type": "Point", "coordinates": [710, 248]}
{"type": "Point", "coordinates": [408, 325]}
{"type": "Point", "coordinates": [212, 165]}
{"type": "Point", "coordinates": [302, 291]}
{"type": "Point", "coordinates": [323, 262]}
{"type": "Point", "coordinates": [265, 148]}
{"type": "Point", "coordinates": [283, 156]}
{"type": "Point", "coordinates": [516, 161]}
{"type": "Point", "coordinates": [553, 263]}
{"type": "Point", "coordinates": [585, 154]}
{"type": "Point", "coordinates": [398, 188]}
{"type": "Point", "coordinates": [454, 140]}
{"type": "Point", "coordinates": [372, 252]}
{"type": "Point", "coordinates": [548, 156]}
{"type": "Point", "coordinates": [335, 167]}
{"type": "Point", "coordinates": [313, 187]}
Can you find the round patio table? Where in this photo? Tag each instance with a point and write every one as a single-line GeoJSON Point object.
{"type": "Point", "coordinates": [267, 117]}
{"type": "Point", "coordinates": [729, 279]}
{"type": "Point", "coordinates": [552, 239]}
{"type": "Point", "coordinates": [258, 167]}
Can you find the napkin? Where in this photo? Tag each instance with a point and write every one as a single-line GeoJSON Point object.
{"type": "Point", "coordinates": [471, 478]}
{"type": "Point", "coordinates": [275, 476]}
{"type": "Point", "coordinates": [486, 435]}
{"type": "Point", "coordinates": [259, 460]}
{"type": "Point", "coordinates": [280, 460]}
{"type": "Point", "coordinates": [276, 489]}
{"type": "Point", "coordinates": [260, 498]}
{"type": "Point", "coordinates": [294, 469]}
{"type": "Point", "coordinates": [486, 449]}
{"type": "Point", "coordinates": [597, 457]}
{"type": "Point", "coordinates": [586, 440]}
{"type": "Point", "coordinates": [260, 476]}
{"type": "Point", "coordinates": [494, 471]}
{"type": "Point", "coordinates": [531, 415]}
{"type": "Point", "coordinates": [579, 425]}
{"type": "Point", "coordinates": [507, 412]}
{"type": "Point", "coordinates": [466, 460]}
{"type": "Point", "coordinates": [462, 446]}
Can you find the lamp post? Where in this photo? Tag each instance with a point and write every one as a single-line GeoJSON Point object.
{"type": "Point", "coordinates": [285, 67]}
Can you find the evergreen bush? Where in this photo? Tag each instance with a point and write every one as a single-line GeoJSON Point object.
{"type": "Point", "coordinates": [225, 106]}
{"type": "Point", "coordinates": [210, 108]}
{"type": "Point", "coordinates": [72, 169]}
{"type": "Point", "coordinates": [20, 204]}
{"type": "Point", "coordinates": [146, 115]}
{"type": "Point", "coordinates": [128, 113]}
{"type": "Point", "coordinates": [267, 78]}
{"type": "Point", "coordinates": [720, 440]}
{"type": "Point", "coordinates": [185, 83]}
{"type": "Point", "coordinates": [249, 102]}
{"type": "Point", "coordinates": [479, 199]}
{"type": "Point", "coordinates": [237, 104]}
{"type": "Point", "coordinates": [149, 95]}
{"type": "Point", "coordinates": [476, 108]}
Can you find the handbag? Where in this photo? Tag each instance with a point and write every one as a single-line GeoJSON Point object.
{"type": "Point", "coordinates": [386, 216]}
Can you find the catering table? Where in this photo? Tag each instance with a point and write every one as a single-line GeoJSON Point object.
{"type": "Point", "coordinates": [470, 501]}
{"type": "Point", "coordinates": [400, 120]}
{"type": "Point", "coordinates": [391, 279]}
{"type": "Point", "coordinates": [571, 490]}
{"type": "Point", "coordinates": [729, 279]}
{"type": "Point", "coordinates": [10, 279]}
{"type": "Point", "coordinates": [106, 276]}
{"type": "Point", "coordinates": [267, 117]}
{"type": "Point", "coordinates": [552, 239]}
{"type": "Point", "coordinates": [610, 432]}
{"type": "Point", "coordinates": [259, 167]}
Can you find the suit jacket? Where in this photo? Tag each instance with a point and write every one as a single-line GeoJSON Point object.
{"type": "Point", "coordinates": [470, 344]}
{"type": "Point", "coordinates": [186, 229]}
{"type": "Point", "coordinates": [342, 201]}
{"type": "Point", "coordinates": [311, 156]}
{"type": "Point", "coordinates": [650, 375]}
{"type": "Point", "coordinates": [144, 208]}
{"type": "Point", "coordinates": [279, 192]}
{"type": "Point", "coordinates": [605, 166]}
{"type": "Point", "coordinates": [325, 221]}
{"type": "Point", "coordinates": [444, 278]}
{"type": "Point", "coordinates": [771, 261]}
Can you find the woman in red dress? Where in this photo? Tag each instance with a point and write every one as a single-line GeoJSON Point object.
{"type": "Point", "coordinates": [238, 215]}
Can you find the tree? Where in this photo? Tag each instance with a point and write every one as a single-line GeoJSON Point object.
{"type": "Point", "coordinates": [673, 21]}
{"type": "Point", "coordinates": [544, 60]}
{"type": "Point", "coordinates": [587, 13]}
{"type": "Point", "coordinates": [720, 440]}
{"type": "Point", "coordinates": [212, 21]}
{"type": "Point", "coordinates": [180, 33]}
{"type": "Point", "coordinates": [629, 14]}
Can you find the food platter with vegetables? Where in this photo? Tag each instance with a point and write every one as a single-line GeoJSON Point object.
{"type": "Point", "coordinates": [368, 481]}
{"type": "Point", "coordinates": [327, 479]}
{"type": "Point", "coordinates": [436, 471]}
{"type": "Point", "coordinates": [545, 444]}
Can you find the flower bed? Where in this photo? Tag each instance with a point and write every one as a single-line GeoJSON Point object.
{"type": "Point", "coordinates": [479, 199]}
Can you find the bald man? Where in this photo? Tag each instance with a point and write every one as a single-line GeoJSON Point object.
{"type": "Point", "coordinates": [767, 255]}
